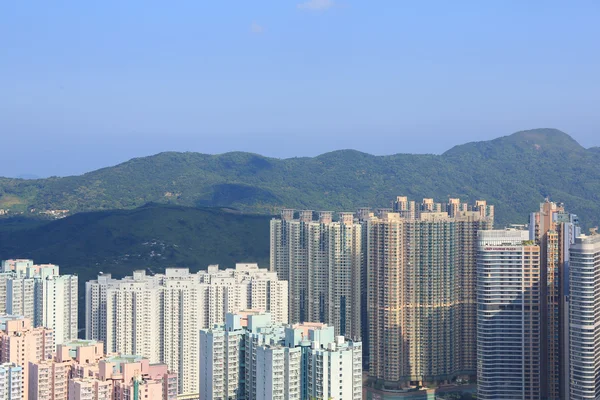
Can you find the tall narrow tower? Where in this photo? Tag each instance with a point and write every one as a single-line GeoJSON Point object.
{"type": "Point", "coordinates": [584, 314]}
{"type": "Point", "coordinates": [322, 260]}
{"type": "Point", "coordinates": [554, 230]}
{"type": "Point", "coordinates": [508, 316]}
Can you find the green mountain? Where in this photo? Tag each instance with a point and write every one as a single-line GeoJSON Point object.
{"type": "Point", "coordinates": [513, 172]}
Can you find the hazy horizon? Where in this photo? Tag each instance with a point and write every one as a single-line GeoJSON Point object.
{"type": "Point", "coordinates": [89, 85]}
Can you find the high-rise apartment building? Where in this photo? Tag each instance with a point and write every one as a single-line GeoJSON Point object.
{"type": "Point", "coordinates": [159, 317]}
{"type": "Point", "coordinates": [59, 305]}
{"type": "Point", "coordinates": [584, 314]}
{"type": "Point", "coordinates": [89, 389]}
{"type": "Point", "coordinates": [421, 264]}
{"type": "Point", "coordinates": [11, 381]}
{"type": "Point", "coordinates": [39, 293]}
{"type": "Point", "coordinates": [49, 380]}
{"type": "Point", "coordinates": [250, 357]}
{"type": "Point", "coordinates": [95, 303]}
{"type": "Point", "coordinates": [289, 259]}
{"type": "Point", "coordinates": [321, 259]}
{"type": "Point", "coordinates": [335, 370]}
{"type": "Point", "coordinates": [20, 297]}
{"type": "Point", "coordinates": [554, 230]}
{"type": "Point", "coordinates": [222, 360]}
{"type": "Point", "coordinates": [21, 343]}
{"type": "Point", "coordinates": [508, 316]}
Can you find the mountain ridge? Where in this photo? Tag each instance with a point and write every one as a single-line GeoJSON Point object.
{"type": "Point", "coordinates": [32, 177]}
{"type": "Point", "coordinates": [514, 172]}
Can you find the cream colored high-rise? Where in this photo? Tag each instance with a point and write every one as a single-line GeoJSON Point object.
{"type": "Point", "coordinates": [322, 261]}
{"type": "Point", "coordinates": [160, 316]}
{"type": "Point", "coordinates": [421, 301]}
{"type": "Point", "coordinates": [554, 230]}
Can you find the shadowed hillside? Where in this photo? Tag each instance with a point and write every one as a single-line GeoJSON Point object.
{"type": "Point", "coordinates": [153, 236]}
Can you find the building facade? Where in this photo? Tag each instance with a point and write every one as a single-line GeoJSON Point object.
{"type": "Point", "coordinates": [584, 314]}
{"type": "Point", "coordinates": [11, 381]}
{"type": "Point", "coordinates": [41, 294]}
{"type": "Point", "coordinates": [508, 316]}
{"type": "Point", "coordinates": [80, 370]}
{"type": "Point", "coordinates": [21, 343]}
{"type": "Point", "coordinates": [250, 357]}
{"type": "Point", "coordinates": [60, 306]}
{"type": "Point", "coordinates": [421, 296]}
{"type": "Point", "coordinates": [554, 230]}
{"type": "Point", "coordinates": [322, 260]}
{"type": "Point", "coordinates": [158, 316]}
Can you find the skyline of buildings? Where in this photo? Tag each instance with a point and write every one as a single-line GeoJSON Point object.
{"type": "Point", "coordinates": [32, 367]}
{"type": "Point", "coordinates": [427, 293]}
{"type": "Point", "coordinates": [160, 316]}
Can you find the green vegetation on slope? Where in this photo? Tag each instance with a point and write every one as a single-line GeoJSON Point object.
{"type": "Point", "coordinates": [153, 236]}
{"type": "Point", "coordinates": [514, 172]}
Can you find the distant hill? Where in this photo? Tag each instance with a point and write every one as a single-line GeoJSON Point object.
{"type": "Point", "coordinates": [513, 172]}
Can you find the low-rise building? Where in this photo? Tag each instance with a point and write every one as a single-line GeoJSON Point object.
{"type": "Point", "coordinates": [80, 370]}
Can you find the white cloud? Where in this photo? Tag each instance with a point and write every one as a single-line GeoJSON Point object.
{"type": "Point", "coordinates": [316, 5]}
{"type": "Point", "coordinates": [256, 28]}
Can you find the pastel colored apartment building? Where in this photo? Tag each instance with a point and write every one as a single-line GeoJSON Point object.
{"type": "Point", "coordinates": [79, 370]}
{"type": "Point", "coordinates": [125, 377]}
{"type": "Point", "coordinates": [21, 343]}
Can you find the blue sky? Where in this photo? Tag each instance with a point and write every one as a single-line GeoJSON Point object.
{"type": "Point", "coordinates": [87, 84]}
